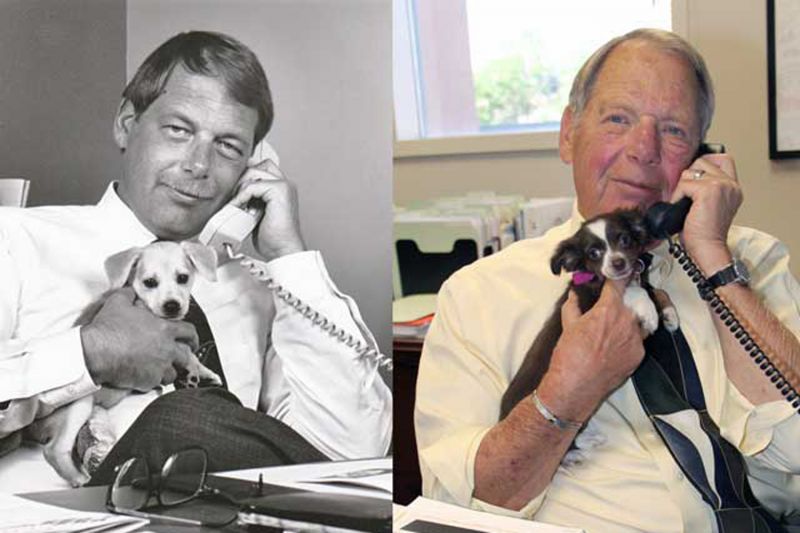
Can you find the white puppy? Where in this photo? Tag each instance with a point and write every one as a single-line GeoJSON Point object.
{"type": "Point", "coordinates": [161, 274]}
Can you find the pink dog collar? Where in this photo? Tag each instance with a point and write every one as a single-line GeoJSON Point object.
{"type": "Point", "coordinates": [582, 277]}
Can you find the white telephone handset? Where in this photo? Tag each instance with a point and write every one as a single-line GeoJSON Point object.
{"type": "Point", "coordinates": [231, 225]}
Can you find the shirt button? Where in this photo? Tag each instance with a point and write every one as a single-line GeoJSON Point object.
{"type": "Point", "coordinates": [71, 390]}
{"type": "Point", "coordinates": [679, 475]}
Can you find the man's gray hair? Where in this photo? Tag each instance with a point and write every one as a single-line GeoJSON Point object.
{"type": "Point", "coordinates": [667, 41]}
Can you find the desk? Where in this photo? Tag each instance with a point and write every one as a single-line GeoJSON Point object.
{"type": "Point", "coordinates": [93, 499]}
{"type": "Point", "coordinates": [240, 484]}
{"type": "Point", "coordinates": [407, 481]}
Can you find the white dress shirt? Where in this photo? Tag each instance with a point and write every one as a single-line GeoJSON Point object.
{"type": "Point", "coordinates": [274, 360]}
{"type": "Point", "coordinates": [487, 317]}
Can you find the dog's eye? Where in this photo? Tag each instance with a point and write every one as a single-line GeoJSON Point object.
{"type": "Point", "coordinates": [182, 279]}
{"type": "Point", "coordinates": [595, 253]}
{"type": "Point", "coordinates": [625, 240]}
{"type": "Point", "coordinates": [150, 283]}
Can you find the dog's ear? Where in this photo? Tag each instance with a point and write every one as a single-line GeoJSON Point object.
{"type": "Point", "coordinates": [203, 258]}
{"type": "Point", "coordinates": [120, 266]}
{"type": "Point", "coordinates": [567, 257]}
{"type": "Point", "coordinates": [635, 221]}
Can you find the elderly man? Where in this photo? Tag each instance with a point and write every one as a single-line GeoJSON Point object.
{"type": "Point", "coordinates": [187, 125]}
{"type": "Point", "coordinates": [638, 110]}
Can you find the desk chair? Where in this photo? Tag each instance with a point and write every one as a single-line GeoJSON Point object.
{"type": "Point", "coordinates": [14, 192]}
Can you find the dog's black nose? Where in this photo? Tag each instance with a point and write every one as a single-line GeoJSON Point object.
{"type": "Point", "coordinates": [171, 308]}
{"type": "Point", "coordinates": [618, 263]}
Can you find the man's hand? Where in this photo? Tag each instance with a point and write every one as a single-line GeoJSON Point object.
{"type": "Point", "coordinates": [716, 197]}
{"type": "Point", "coordinates": [597, 351]}
{"type": "Point", "coordinates": [279, 231]}
{"type": "Point", "coordinates": [126, 346]}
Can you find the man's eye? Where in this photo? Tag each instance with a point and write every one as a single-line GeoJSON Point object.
{"type": "Point", "coordinates": [177, 132]}
{"type": "Point", "coordinates": [150, 283]}
{"type": "Point", "coordinates": [229, 150]}
{"type": "Point", "coordinates": [675, 131]}
{"type": "Point", "coordinates": [617, 119]}
{"type": "Point", "coordinates": [182, 279]}
{"type": "Point", "coordinates": [595, 253]}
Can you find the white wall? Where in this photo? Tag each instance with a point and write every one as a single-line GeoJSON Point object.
{"type": "Point", "coordinates": [732, 38]}
{"type": "Point", "coordinates": [328, 64]}
{"type": "Point", "coordinates": [61, 73]}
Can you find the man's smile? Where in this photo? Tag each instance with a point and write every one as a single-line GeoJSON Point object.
{"type": "Point", "coordinates": [188, 194]}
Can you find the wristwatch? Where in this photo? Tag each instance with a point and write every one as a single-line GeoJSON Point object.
{"type": "Point", "coordinates": [736, 272]}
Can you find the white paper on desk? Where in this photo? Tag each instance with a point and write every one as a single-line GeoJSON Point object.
{"type": "Point", "coordinates": [327, 476]}
{"type": "Point", "coordinates": [423, 510]}
{"type": "Point", "coordinates": [21, 515]}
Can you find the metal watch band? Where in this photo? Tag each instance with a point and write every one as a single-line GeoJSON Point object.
{"type": "Point", "coordinates": [734, 272]}
{"type": "Point", "coordinates": [552, 419]}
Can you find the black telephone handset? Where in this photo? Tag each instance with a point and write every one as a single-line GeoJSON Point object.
{"type": "Point", "coordinates": [663, 220]}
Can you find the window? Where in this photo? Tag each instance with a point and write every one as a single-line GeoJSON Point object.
{"type": "Point", "coordinates": [472, 67]}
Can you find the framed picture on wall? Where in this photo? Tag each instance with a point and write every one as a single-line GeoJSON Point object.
{"type": "Point", "coordinates": [783, 66]}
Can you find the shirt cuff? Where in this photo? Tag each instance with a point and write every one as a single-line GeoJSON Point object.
{"type": "Point", "coordinates": [752, 428]}
{"type": "Point", "coordinates": [44, 365]}
{"type": "Point", "coordinates": [305, 273]}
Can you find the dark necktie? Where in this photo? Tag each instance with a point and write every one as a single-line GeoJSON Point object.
{"type": "Point", "coordinates": [207, 353]}
{"type": "Point", "coordinates": [667, 383]}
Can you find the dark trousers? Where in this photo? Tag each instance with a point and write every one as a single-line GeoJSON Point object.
{"type": "Point", "coordinates": [211, 418]}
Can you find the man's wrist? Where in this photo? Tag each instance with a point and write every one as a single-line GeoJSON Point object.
{"type": "Point", "coordinates": [551, 418]}
{"type": "Point", "coordinates": [710, 258]}
{"type": "Point", "coordinates": [94, 365]}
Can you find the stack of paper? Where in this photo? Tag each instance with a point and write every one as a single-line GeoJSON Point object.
{"type": "Point", "coordinates": [427, 516]}
{"type": "Point", "coordinates": [20, 515]}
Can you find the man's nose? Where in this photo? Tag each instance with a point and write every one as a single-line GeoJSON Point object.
{"type": "Point", "coordinates": [644, 145]}
{"type": "Point", "coordinates": [197, 158]}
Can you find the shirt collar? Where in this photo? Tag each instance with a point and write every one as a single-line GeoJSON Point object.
{"type": "Point", "coordinates": [124, 221]}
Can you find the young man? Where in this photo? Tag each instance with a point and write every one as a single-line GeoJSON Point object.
{"type": "Point", "coordinates": [186, 128]}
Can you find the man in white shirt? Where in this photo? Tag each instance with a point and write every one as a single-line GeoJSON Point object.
{"type": "Point", "coordinates": [186, 127]}
{"type": "Point", "coordinates": [638, 110]}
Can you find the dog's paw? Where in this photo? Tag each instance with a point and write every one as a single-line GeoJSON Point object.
{"type": "Point", "coordinates": [670, 318]}
{"type": "Point", "coordinates": [637, 300]}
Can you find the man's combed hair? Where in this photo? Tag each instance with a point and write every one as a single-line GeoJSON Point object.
{"type": "Point", "coordinates": [667, 41]}
{"type": "Point", "coordinates": [208, 54]}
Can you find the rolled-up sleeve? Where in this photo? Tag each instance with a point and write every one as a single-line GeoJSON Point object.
{"type": "Point", "coordinates": [767, 433]}
{"type": "Point", "coordinates": [457, 399]}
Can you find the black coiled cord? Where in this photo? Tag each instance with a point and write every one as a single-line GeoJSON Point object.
{"type": "Point", "coordinates": [729, 319]}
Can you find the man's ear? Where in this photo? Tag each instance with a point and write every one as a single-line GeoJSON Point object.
{"type": "Point", "coordinates": [123, 123]}
{"type": "Point", "coordinates": [120, 266]}
{"type": "Point", "coordinates": [203, 258]}
{"type": "Point", "coordinates": [565, 135]}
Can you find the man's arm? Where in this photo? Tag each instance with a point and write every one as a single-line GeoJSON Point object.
{"type": "Point", "coordinates": [596, 352]}
{"type": "Point", "coordinates": [330, 394]}
{"type": "Point", "coordinates": [123, 345]}
{"type": "Point", "coordinates": [716, 198]}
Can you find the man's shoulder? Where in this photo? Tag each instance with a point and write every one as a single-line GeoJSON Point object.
{"type": "Point", "coordinates": [15, 220]}
{"type": "Point", "coordinates": [746, 242]}
{"type": "Point", "coordinates": [524, 259]}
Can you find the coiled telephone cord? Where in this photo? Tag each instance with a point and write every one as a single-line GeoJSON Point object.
{"type": "Point", "coordinates": [729, 319]}
{"type": "Point", "coordinates": [363, 350]}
